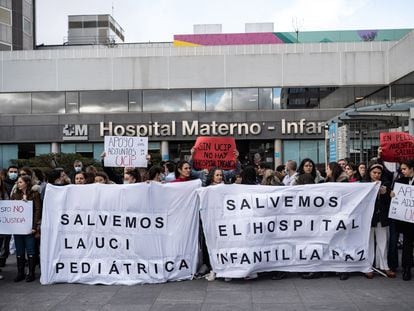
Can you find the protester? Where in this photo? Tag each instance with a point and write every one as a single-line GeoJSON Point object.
{"type": "Point", "coordinates": [132, 176]}
{"type": "Point", "coordinates": [9, 182]}
{"type": "Point", "coordinates": [77, 167]}
{"type": "Point", "coordinates": [169, 171]}
{"type": "Point", "coordinates": [406, 228]}
{"type": "Point", "coordinates": [378, 240]}
{"type": "Point", "coordinates": [182, 172]}
{"type": "Point", "coordinates": [307, 166]}
{"type": "Point", "coordinates": [25, 243]}
{"type": "Point", "coordinates": [362, 170]}
{"type": "Point", "coordinates": [154, 173]}
{"type": "Point", "coordinates": [335, 173]}
{"type": "Point", "coordinates": [291, 167]}
{"type": "Point", "coordinates": [80, 178]}
{"type": "Point", "coordinates": [352, 172]}
{"type": "Point", "coordinates": [270, 178]}
{"type": "Point", "coordinates": [101, 178]}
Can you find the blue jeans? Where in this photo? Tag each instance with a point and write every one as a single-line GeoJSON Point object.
{"type": "Point", "coordinates": [24, 243]}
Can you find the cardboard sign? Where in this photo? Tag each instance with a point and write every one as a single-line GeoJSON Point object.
{"type": "Point", "coordinates": [125, 151]}
{"type": "Point", "coordinates": [16, 217]}
{"type": "Point", "coordinates": [215, 152]}
{"type": "Point", "coordinates": [402, 205]}
{"type": "Point", "coordinates": [397, 146]}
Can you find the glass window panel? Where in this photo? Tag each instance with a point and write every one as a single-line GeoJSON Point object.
{"type": "Point", "coordinates": [218, 100]}
{"type": "Point", "coordinates": [135, 100]}
{"type": "Point", "coordinates": [103, 101]}
{"type": "Point", "coordinates": [90, 24]}
{"type": "Point", "coordinates": [265, 99]}
{"type": "Point", "coordinates": [42, 149]}
{"type": "Point", "coordinates": [7, 153]}
{"type": "Point", "coordinates": [276, 98]}
{"type": "Point", "coordinates": [103, 23]}
{"type": "Point", "coordinates": [298, 150]}
{"type": "Point", "coordinates": [309, 149]}
{"type": "Point", "coordinates": [291, 150]}
{"type": "Point", "coordinates": [15, 103]}
{"type": "Point", "coordinates": [245, 99]}
{"type": "Point", "coordinates": [27, 26]}
{"type": "Point", "coordinates": [154, 145]}
{"type": "Point", "coordinates": [68, 148]}
{"type": "Point", "coordinates": [75, 24]}
{"type": "Point", "coordinates": [84, 147]}
{"type": "Point", "coordinates": [98, 148]}
{"type": "Point", "coordinates": [198, 100]}
{"type": "Point", "coordinates": [48, 102]}
{"type": "Point", "coordinates": [5, 16]}
{"type": "Point", "coordinates": [166, 100]}
{"type": "Point", "coordinates": [72, 102]}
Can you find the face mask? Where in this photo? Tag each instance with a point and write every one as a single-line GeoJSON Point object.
{"type": "Point", "coordinates": [12, 176]}
{"type": "Point", "coordinates": [78, 169]}
{"type": "Point", "coordinates": [126, 182]}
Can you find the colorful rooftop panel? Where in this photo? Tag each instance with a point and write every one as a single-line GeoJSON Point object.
{"type": "Point", "coordinates": [290, 37]}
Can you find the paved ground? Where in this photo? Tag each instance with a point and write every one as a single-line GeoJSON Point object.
{"type": "Point", "coordinates": [293, 293]}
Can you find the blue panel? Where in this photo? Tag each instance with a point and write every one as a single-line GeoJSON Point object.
{"type": "Point", "coordinates": [42, 149]}
{"type": "Point", "coordinates": [68, 148]}
{"type": "Point", "coordinates": [7, 153]}
{"type": "Point", "coordinates": [98, 148]}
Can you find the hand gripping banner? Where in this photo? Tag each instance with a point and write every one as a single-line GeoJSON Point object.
{"type": "Point", "coordinates": [322, 227]}
{"type": "Point", "coordinates": [119, 234]}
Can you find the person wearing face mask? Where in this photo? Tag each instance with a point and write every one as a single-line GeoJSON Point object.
{"type": "Point", "coordinates": [58, 177]}
{"type": "Point", "coordinates": [9, 182]}
{"type": "Point", "coordinates": [77, 167]}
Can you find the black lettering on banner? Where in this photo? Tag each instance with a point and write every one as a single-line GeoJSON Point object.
{"type": "Point", "coordinates": [289, 201]}
{"type": "Point", "coordinates": [159, 222]}
{"type": "Point", "coordinates": [361, 255]}
{"type": "Point", "coordinates": [73, 267]}
{"type": "Point", "coordinates": [315, 254]}
{"type": "Point", "coordinates": [341, 225]}
{"type": "Point", "coordinates": [116, 220]}
{"type": "Point", "coordinates": [245, 204]}
{"type": "Point", "coordinates": [86, 267]}
{"type": "Point", "coordinates": [334, 254]}
{"type": "Point", "coordinates": [244, 259]}
{"type": "Point", "coordinates": [297, 223]}
{"type": "Point", "coordinates": [183, 264]}
{"type": "Point", "coordinates": [304, 201]}
{"type": "Point", "coordinates": [333, 202]}
{"type": "Point", "coordinates": [131, 222]}
{"type": "Point", "coordinates": [64, 219]}
{"type": "Point", "coordinates": [258, 204]}
{"type": "Point", "coordinates": [78, 219]}
{"type": "Point", "coordinates": [222, 230]}
{"type": "Point", "coordinates": [230, 205]}
{"type": "Point", "coordinates": [114, 268]}
{"type": "Point", "coordinates": [283, 225]}
{"type": "Point", "coordinates": [59, 266]}
{"type": "Point", "coordinates": [275, 201]}
{"type": "Point", "coordinates": [348, 257]}
{"type": "Point", "coordinates": [145, 222]}
{"type": "Point", "coordinates": [169, 266]}
{"type": "Point", "coordinates": [321, 201]}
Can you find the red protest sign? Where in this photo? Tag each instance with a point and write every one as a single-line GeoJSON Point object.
{"type": "Point", "coordinates": [397, 146]}
{"type": "Point", "coordinates": [214, 151]}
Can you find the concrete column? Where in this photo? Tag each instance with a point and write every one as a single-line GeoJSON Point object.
{"type": "Point", "coordinates": [165, 154]}
{"type": "Point", "coordinates": [55, 148]}
{"type": "Point", "coordinates": [278, 152]}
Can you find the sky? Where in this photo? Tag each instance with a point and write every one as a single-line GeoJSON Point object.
{"type": "Point", "coordinates": [159, 20]}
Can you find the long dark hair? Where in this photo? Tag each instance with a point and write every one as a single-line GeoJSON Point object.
{"type": "Point", "coordinates": [180, 166]}
{"type": "Point", "coordinates": [3, 192]}
{"type": "Point", "coordinates": [302, 164]}
{"type": "Point", "coordinates": [248, 175]}
{"type": "Point", "coordinates": [210, 175]}
{"type": "Point", "coordinates": [336, 170]}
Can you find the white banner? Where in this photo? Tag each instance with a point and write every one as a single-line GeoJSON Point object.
{"type": "Point", "coordinates": [16, 217]}
{"type": "Point", "coordinates": [322, 227]}
{"type": "Point", "coordinates": [125, 151]}
{"type": "Point", "coordinates": [119, 234]}
{"type": "Point", "coordinates": [402, 205]}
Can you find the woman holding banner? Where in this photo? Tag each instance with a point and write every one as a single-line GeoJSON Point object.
{"type": "Point", "coordinates": [25, 243]}
{"type": "Point", "coordinates": [406, 228]}
{"type": "Point", "coordinates": [378, 239]}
